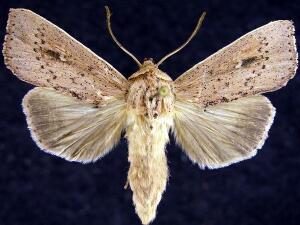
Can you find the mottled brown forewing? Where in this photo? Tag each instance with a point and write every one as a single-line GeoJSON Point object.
{"type": "Point", "coordinates": [42, 54]}
{"type": "Point", "coordinates": [258, 62]}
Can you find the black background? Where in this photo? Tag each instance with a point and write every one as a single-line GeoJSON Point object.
{"type": "Point", "coordinates": [40, 189]}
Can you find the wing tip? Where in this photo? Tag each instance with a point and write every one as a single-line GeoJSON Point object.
{"type": "Point", "coordinates": [295, 49]}
{"type": "Point", "coordinates": [287, 29]}
{"type": "Point", "coordinates": [6, 48]}
{"type": "Point", "coordinates": [290, 27]}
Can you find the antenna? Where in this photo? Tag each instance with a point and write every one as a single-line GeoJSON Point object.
{"type": "Point", "coordinates": [199, 23]}
{"type": "Point", "coordinates": [108, 15]}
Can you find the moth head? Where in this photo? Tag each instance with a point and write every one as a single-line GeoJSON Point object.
{"type": "Point", "coordinates": [150, 60]}
{"type": "Point", "coordinates": [150, 68]}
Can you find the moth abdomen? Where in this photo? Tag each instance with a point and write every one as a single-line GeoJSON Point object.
{"type": "Point", "coordinates": [148, 172]}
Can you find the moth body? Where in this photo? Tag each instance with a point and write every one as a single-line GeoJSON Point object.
{"type": "Point", "coordinates": [150, 104]}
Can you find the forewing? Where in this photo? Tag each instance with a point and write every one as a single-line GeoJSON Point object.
{"type": "Point", "coordinates": [223, 134]}
{"type": "Point", "coordinates": [40, 53]}
{"type": "Point", "coordinates": [260, 61]}
{"type": "Point", "coordinates": [70, 128]}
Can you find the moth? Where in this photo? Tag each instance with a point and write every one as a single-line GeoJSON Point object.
{"type": "Point", "coordinates": [82, 104]}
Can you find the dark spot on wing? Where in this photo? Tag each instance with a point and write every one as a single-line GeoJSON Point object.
{"type": "Point", "coordinates": [224, 99]}
{"type": "Point", "coordinates": [248, 61]}
{"type": "Point", "coordinates": [53, 54]}
{"type": "Point", "coordinates": [74, 94]}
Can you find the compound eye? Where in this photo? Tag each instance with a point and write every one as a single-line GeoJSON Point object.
{"type": "Point", "coordinates": [163, 91]}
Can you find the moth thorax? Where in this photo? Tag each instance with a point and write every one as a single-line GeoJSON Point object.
{"type": "Point", "coordinates": [150, 96]}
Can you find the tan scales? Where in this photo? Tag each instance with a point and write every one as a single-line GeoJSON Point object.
{"type": "Point", "coordinates": [82, 103]}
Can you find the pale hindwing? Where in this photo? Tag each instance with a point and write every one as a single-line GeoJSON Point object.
{"type": "Point", "coordinates": [260, 61]}
{"type": "Point", "coordinates": [44, 55]}
{"type": "Point", "coordinates": [70, 128]}
{"type": "Point", "coordinates": [223, 134]}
